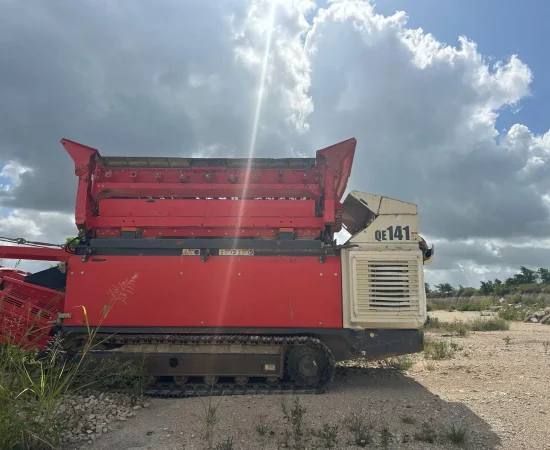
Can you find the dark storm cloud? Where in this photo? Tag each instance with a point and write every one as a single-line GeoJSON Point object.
{"type": "Point", "coordinates": [137, 78]}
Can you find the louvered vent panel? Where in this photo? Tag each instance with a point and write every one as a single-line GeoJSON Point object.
{"type": "Point", "coordinates": [386, 286]}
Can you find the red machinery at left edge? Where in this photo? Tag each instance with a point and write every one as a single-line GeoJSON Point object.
{"type": "Point", "coordinates": [219, 269]}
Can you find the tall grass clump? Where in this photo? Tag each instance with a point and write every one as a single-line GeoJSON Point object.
{"type": "Point", "coordinates": [456, 326]}
{"type": "Point", "coordinates": [401, 363]}
{"type": "Point", "coordinates": [457, 434]}
{"type": "Point", "coordinates": [32, 388]}
{"type": "Point", "coordinates": [438, 350]}
{"type": "Point", "coordinates": [462, 328]}
{"type": "Point", "coordinates": [513, 314]}
{"type": "Point", "coordinates": [493, 324]}
{"type": "Point", "coordinates": [475, 305]}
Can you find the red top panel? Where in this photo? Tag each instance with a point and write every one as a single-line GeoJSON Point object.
{"type": "Point", "coordinates": [247, 183]}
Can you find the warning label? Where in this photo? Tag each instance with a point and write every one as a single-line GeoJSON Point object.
{"type": "Point", "coordinates": [236, 252]}
{"type": "Point", "coordinates": [191, 252]}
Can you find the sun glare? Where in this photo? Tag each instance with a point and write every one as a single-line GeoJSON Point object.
{"type": "Point", "coordinates": [231, 272]}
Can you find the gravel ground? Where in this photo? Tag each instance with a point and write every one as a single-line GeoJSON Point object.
{"type": "Point", "coordinates": [497, 389]}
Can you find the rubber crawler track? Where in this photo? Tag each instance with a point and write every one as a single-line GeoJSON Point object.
{"type": "Point", "coordinates": [160, 389]}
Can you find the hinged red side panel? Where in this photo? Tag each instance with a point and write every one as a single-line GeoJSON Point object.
{"type": "Point", "coordinates": [224, 291]}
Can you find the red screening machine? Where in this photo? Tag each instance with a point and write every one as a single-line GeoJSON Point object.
{"type": "Point", "coordinates": [226, 272]}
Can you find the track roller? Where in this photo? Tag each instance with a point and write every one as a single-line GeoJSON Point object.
{"type": "Point", "coordinates": [180, 380]}
{"type": "Point", "coordinates": [272, 381]}
{"type": "Point", "coordinates": [210, 380]}
{"type": "Point", "coordinates": [241, 381]}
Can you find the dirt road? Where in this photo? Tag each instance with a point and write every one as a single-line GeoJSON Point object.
{"type": "Point", "coordinates": [496, 385]}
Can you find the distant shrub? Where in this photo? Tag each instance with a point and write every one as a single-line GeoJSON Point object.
{"type": "Point", "coordinates": [432, 323]}
{"type": "Point", "coordinates": [456, 326]}
{"type": "Point", "coordinates": [493, 324]}
{"type": "Point", "coordinates": [438, 350]}
{"type": "Point", "coordinates": [515, 299]}
{"type": "Point", "coordinates": [436, 304]}
{"type": "Point", "coordinates": [475, 305]}
{"type": "Point", "coordinates": [531, 288]}
{"type": "Point", "coordinates": [513, 314]}
{"type": "Point", "coordinates": [469, 292]}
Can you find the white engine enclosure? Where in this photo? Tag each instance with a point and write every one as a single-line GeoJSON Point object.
{"type": "Point", "coordinates": [383, 276]}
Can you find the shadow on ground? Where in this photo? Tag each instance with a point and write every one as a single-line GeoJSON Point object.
{"type": "Point", "coordinates": [391, 401]}
{"type": "Point", "coordinates": [397, 398]}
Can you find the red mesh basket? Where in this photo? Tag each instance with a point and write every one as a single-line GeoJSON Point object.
{"type": "Point", "coordinates": [27, 313]}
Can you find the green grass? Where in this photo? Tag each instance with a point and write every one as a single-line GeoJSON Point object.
{"type": "Point", "coordinates": [457, 434]}
{"type": "Point", "coordinates": [456, 326]}
{"type": "Point", "coordinates": [493, 324]}
{"type": "Point", "coordinates": [512, 314]}
{"type": "Point", "coordinates": [32, 389]}
{"type": "Point", "coordinates": [462, 328]}
{"type": "Point", "coordinates": [475, 305]}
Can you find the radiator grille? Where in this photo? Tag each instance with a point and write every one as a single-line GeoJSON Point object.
{"type": "Point", "coordinates": [386, 286]}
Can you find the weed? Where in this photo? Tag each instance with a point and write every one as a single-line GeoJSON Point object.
{"type": "Point", "coordinates": [457, 434]}
{"type": "Point", "coordinates": [209, 420]}
{"type": "Point", "coordinates": [438, 350]}
{"type": "Point", "coordinates": [432, 323]}
{"type": "Point", "coordinates": [455, 347]}
{"type": "Point", "coordinates": [327, 436]}
{"type": "Point", "coordinates": [358, 424]}
{"type": "Point", "coordinates": [494, 324]}
{"type": "Point", "coordinates": [402, 363]}
{"type": "Point", "coordinates": [507, 340]}
{"type": "Point", "coordinates": [456, 326]}
{"type": "Point", "coordinates": [385, 437]}
{"type": "Point", "coordinates": [263, 430]}
{"type": "Point", "coordinates": [475, 305]}
{"type": "Point", "coordinates": [512, 314]}
{"type": "Point", "coordinates": [430, 366]}
{"type": "Point", "coordinates": [294, 416]}
{"type": "Point", "coordinates": [546, 345]}
{"type": "Point", "coordinates": [287, 437]}
{"type": "Point", "coordinates": [408, 419]}
{"type": "Point", "coordinates": [225, 445]}
{"type": "Point", "coordinates": [462, 328]}
{"type": "Point", "coordinates": [426, 434]}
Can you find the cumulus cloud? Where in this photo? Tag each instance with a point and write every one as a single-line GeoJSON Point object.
{"type": "Point", "coordinates": [177, 79]}
{"type": "Point", "coordinates": [465, 262]}
{"type": "Point", "coordinates": [424, 115]}
{"type": "Point", "coordinates": [34, 225]}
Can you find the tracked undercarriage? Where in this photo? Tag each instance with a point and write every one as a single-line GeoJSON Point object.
{"type": "Point", "coordinates": [190, 365]}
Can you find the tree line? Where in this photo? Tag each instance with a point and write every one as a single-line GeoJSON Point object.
{"type": "Point", "coordinates": [525, 280]}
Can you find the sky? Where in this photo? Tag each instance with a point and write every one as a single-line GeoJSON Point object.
{"type": "Point", "coordinates": [448, 102]}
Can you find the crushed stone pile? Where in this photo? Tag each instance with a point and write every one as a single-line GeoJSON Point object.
{"type": "Point", "coordinates": [542, 316]}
